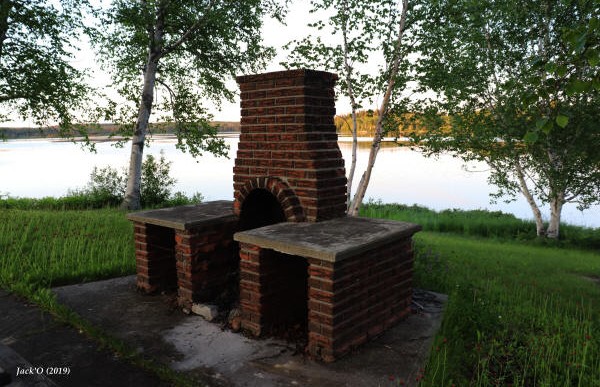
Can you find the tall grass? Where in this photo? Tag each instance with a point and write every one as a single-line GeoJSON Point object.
{"type": "Point", "coordinates": [481, 223]}
{"type": "Point", "coordinates": [81, 200]}
{"type": "Point", "coordinates": [40, 249]}
{"type": "Point", "coordinates": [517, 315]}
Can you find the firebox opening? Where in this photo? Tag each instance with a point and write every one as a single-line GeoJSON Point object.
{"type": "Point", "coordinates": [287, 297]}
{"type": "Point", "coordinates": [260, 208]}
{"type": "Point", "coordinates": [162, 264]}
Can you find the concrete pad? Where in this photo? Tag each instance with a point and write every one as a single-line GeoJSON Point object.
{"type": "Point", "coordinates": [218, 356]}
{"type": "Point", "coordinates": [30, 337]}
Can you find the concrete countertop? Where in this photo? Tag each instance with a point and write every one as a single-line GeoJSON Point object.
{"type": "Point", "coordinates": [333, 240]}
{"type": "Point", "coordinates": [187, 217]}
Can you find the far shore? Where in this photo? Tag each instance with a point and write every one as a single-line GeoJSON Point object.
{"type": "Point", "coordinates": [101, 132]}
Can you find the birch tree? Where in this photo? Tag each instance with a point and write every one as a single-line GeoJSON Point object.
{"type": "Point", "coordinates": [167, 57]}
{"type": "Point", "coordinates": [517, 86]}
{"type": "Point", "coordinates": [367, 32]}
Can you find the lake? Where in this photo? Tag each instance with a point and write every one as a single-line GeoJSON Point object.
{"type": "Point", "coordinates": [42, 167]}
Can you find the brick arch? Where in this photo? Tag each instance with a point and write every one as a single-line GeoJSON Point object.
{"type": "Point", "coordinates": [279, 189]}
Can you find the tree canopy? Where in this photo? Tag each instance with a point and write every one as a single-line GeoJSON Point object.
{"type": "Point", "coordinates": [368, 33]}
{"type": "Point", "coordinates": [516, 85]}
{"type": "Point", "coordinates": [37, 45]}
{"type": "Point", "coordinates": [167, 57]}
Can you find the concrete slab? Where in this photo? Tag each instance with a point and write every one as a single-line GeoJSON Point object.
{"type": "Point", "coordinates": [331, 240]}
{"type": "Point", "coordinates": [32, 337]}
{"type": "Point", "coordinates": [186, 217]}
{"type": "Point", "coordinates": [218, 356]}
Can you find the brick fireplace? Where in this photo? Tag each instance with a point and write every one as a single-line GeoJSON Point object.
{"type": "Point", "coordinates": [288, 147]}
{"type": "Point", "coordinates": [285, 240]}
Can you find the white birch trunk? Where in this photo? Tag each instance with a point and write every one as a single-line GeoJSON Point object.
{"type": "Point", "coordinates": [537, 214]}
{"type": "Point", "coordinates": [556, 205]}
{"type": "Point", "coordinates": [383, 110]}
{"type": "Point", "coordinates": [132, 198]}
{"type": "Point", "coordinates": [354, 129]}
{"type": "Point", "coordinates": [353, 161]}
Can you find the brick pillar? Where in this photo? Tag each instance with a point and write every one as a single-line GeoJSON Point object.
{"type": "Point", "coordinates": [207, 262]}
{"type": "Point", "coordinates": [155, 257]}
{"type": "Point", "coordinates": [288, 133]}
{"type": "Point", "coordinates": [355, 300]}
{"type": "Point", "coordinates": [252, 284]}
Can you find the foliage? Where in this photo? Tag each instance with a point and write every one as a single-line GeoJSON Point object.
{"type": "Point", "coordinates": [108, 185]}
{"type": "Point", "coordinates": [156, 182]}
{"type": "Point", "coordinates": [37, 80]}
{"type": "Point", "coordinates": [516, 87]}
{"type": "Point", "coordinates": [185, 51]}
{"type": "Point", "coordinates": [365, 33]}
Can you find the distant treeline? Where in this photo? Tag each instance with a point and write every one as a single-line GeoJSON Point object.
{"type": "Point", "coordinates": [367, 120]}
{"type": "Point", "coordinates": [97, 130]}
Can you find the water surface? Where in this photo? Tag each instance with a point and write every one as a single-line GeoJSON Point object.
{"type": "Point", "coordinates": [38, 168]}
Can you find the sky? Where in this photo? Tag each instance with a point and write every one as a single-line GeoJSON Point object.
{"type": "Point", "coordinates": [275, 34]}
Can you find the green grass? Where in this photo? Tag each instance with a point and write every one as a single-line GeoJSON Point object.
{"type": "Point", "coordinates": [519, 313]}
{"type": "Point", "coordinates": [41, 249]}
{"type": "Point", "coordinates": [482, 224]}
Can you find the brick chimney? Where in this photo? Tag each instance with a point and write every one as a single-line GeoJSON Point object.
{"type": "Point", "coordinates": [289, 166]}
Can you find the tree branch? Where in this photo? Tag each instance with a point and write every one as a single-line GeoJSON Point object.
{"type": "Point", "coordinates": [183, 38]}
{"type": "Point", "coordinates": [5, 8]}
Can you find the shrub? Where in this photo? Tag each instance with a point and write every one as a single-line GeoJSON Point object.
{"type": "Point", "coordinates": [106, 188]}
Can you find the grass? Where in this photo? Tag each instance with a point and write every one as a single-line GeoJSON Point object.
{"type": "Point", "coordinates": [41, 249]}
{"type": "Point", "coordinates": [482, 223]}
{"type": "Point", "coordinates": [519, 313]}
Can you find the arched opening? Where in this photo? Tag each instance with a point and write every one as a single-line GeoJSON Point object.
{"type": "Point", "coordinates": [259, 209]}
{"type": "Point", "coordinates": [286, 275]}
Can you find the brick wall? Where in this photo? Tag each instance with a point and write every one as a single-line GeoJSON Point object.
{"type": "Point", "coordinates": [155, 257]}
{"type": "Point", "coordinates": [207, 262]}
{"type": "Point", "coordinates": [288, 144]}
{"type": "Point", "coordinates": [273, 290]}
{"type": "Point", "coordinates": [201, 263]}
{"type": "Point", "coordinates": [349, 302]}
{"type": "Point", "coordinates": [354, 300]}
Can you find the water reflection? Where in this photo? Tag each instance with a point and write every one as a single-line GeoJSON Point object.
{"type": "Point", "coordinates": [38, 168]}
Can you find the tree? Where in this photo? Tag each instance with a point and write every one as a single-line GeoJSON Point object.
{"type": "Point", "coordinates": [37, 80]}
{"type": "Point", "coordinates": [365, 30]}
{"type": "Point", "coordinates": [517, 86]}
{"type": "Point", "coordinates": [168, 56]}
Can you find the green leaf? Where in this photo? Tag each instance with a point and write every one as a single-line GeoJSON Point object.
{"type": "Point", "coordinates": [593, 57]}
{"type": "Point", "coordinates": [550, 67]}
{"type": "Point", "coordinates": [541, 122]}
{"type": "Point", "coordinates": [577, 86]}
{"type": "Point", "coordinates": [562, 121]}
{"type": "Point", "coordinates": [530, 137]}
{"type": "Point", "coordinates": [561, 70]}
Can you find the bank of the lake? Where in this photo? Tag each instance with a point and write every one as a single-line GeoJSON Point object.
{"type": "Point", "coordinates": [40, 168]}
{"type": "Point", "coordinates": [518, 313]}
